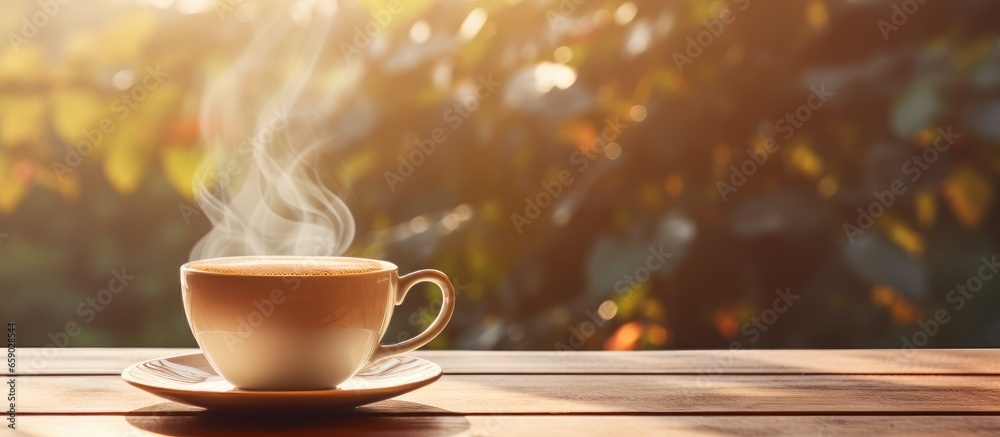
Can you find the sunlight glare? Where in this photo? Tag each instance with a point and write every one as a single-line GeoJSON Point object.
{"type": "Point", "coordinates": [420, 32]}
{"type": "Point", "coordinates": [472, 24]}
{"type": "Point", "coordinates": [625, 13]}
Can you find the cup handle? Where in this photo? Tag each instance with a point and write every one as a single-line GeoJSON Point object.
{"type": "Point", "coordinates": [447, 309]}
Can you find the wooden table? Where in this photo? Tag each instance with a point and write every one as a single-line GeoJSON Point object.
{"type": "Point", "coordinates": [759, 392]}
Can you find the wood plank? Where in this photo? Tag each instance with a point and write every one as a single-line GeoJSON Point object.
{"type": "Point", "coordinates": [202, 424]}
{"type": "Point", "coordinates": [563, 394]}
{"type": "Point", "coordinates": [111, 361]}
{"type": "Point", "coordinates": [87, 361]}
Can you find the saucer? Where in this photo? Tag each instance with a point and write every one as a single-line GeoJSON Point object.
{"type": "Point", "coordinates": [189, 379]}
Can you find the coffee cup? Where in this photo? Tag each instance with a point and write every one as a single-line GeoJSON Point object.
{"type": "Point", "coordinates": [283, 323]}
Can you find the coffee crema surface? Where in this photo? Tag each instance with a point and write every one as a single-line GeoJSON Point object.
{"type": "Point", "coordinates": [290, 266]}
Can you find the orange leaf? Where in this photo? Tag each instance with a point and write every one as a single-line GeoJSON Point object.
{"type": "Point", "coordinates": [77, 112]}
{"type": "Point", "coordinates": [12, 190]}
{"type": "Point", "coordinates": [625, 338]}
{"type": "Point", "coordinates": [969, 195]}
{"type": "Point", "coordinates": [22, 120]}
{"type": "Point", "coordinates": [180, 165]}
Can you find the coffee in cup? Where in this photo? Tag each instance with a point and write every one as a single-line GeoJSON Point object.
{"type": "Point", "coordinates": [299, 323]}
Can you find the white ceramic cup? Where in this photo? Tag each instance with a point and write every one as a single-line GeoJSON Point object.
{"type": "Point", "coordinates": [299, 323]}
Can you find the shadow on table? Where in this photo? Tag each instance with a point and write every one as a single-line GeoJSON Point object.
{"type": "Point", "coordinates": [373, 421]}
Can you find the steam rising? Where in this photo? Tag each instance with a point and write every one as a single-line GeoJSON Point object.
{"type": "Point", "coordinates": [263, 122]}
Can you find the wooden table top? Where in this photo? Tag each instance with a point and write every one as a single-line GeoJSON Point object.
{"type": "Point", "coordinates": [755, 392]}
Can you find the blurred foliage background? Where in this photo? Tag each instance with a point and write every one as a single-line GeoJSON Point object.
{"type": "Point", "coordinates": [565, 69]}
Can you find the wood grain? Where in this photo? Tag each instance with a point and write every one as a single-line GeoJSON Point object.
{"type": "Point", "coordinates": [505, 425]}
{"type": "Point", "coordinates": [111, 361]}
{"type": "Point", "coordinates": [87, 361]}
{"type": "Point", "coordinates": [604, 394]}
{"type": "Point", "coordinates": [687, 393]}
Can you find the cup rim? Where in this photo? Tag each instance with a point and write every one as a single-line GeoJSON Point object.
{"type": "Point", "coordinates": [387, 267]}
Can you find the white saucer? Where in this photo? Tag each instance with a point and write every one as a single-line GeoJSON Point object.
{"type": "Point", "coordinates": [189, 379]}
